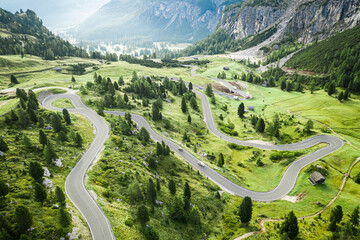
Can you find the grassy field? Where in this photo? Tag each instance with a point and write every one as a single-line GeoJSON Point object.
{"type": "Point", "coordinates": [63, 103]}
{"type": "Point", "coordinates": [7, 105]}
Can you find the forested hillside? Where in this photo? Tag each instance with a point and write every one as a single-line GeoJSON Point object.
{"type": "Point", "coordinates": [24, 33]}
{"type": "Point", "coordinates": [338, 57]}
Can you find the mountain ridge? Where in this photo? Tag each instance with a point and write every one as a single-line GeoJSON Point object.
{"type": "Point", "coordinates": [156, 20]}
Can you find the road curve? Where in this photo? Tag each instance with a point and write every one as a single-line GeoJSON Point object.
{"type": "Point", "coordinates": [74, 186]}
{"type": "Point", "coordinates": [289, 178]}
{"type": "Point", "coordinates": [96, 219]}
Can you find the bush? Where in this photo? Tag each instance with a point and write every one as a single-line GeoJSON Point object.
{"type": "Point", "coordinates": [357, 178]}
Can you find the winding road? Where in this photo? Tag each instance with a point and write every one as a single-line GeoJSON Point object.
{"type": "Point", "coordinates": [96, 219]}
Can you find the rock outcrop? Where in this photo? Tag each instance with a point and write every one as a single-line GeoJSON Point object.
{"type": "Point", "coordinates": [306, 20]}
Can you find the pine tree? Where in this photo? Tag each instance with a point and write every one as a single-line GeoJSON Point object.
{"type": "Point", "coordinates": [42, 138]}
{"type": "Point", "coordinates": [26, 142]}
{"type": "Point", "coordinates": [144, 135]}
{"type": "Point", "coordinates": [13, 79]}
{"type": "Point", "coordinates": [111, 88]}
{"type": "Point", "coordinates": [183, 105]}
{"type": "Point", "coordinates": [221, 161]}
{"type": "Point", "coordinates": [23, 218]}
{"type": "Point", "coordinates": [3, 146]}
{"type": "Point", "coordinates": [73, 79]}
{"type": "Point", "coordinates": [189, 119]}
{"type": "Point", "coordinates": [56, 123]}
{"type": "Point", "coordinates": [64, 218]}
{"type": "Point", "coordinates": [121, 81]}
{"type": "Point", "coordinates": [341, 96]}
{"type": "Point", "coordinates": [23, 118]}
{"type": "Point", "coordinates": [40, 193]}
{"type": "Point", "coordinates": [4, 189]}
{"type": "Point", "coordinates": [40, 122]}
{"type": "Point", "coordinates": [338, 214]}
{"type": "Point", "coordinates": [241, 110]}
{"type": "Point", "coordinates": [308, 126]}
{"type": "Point", "coordinates": [354, 218]}
{"type": "Point", "coordinates": [172, 187]}
{"type": "Point", "coordinates": [187, 191]}
{"type": "Point", "coordinates": [66, 116]}
{"type": "Point", "coordinates": [190, 86]}
{"type": "Point", "coordinates": [78, 140]}
{"type": "Point", "coordinates": [151, 191]}
{"type": "Point", "coordinates": [290, 226]}
{"type": "Point", "coordinates": [245, 210]}
{"type": "Point", "coordinates": [60, 196]}
{"type": "Point", "coordinates": [13, 116]}
{"type": "Point", "coordinates": [142, 215]}
{"type": "Point", "coordinates": [158, 186]}
{"type": "Point", "coordinates": [49, 153]}
{"type": "Point", "coordinates": [116, 86]}
{"type": "Point", "coordinates": [194, 104]}
{"type": "Point", "coordinates": [36, 171]}
{"type": "Point", "coordinates": [209, 90]}
{"type": "Point", "coordinates": [32, 115]}
{"type": "Point", "coordinates": [283, 85]}
{"type": "Point", "coordinates": [260, 125]}
{"type": "Point", "coordinates": [126, 98]}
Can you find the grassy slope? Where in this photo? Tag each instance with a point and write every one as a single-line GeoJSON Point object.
{"type": "Point", "coordinates": [313, 58]}
{"type": "Point", "coordinates": [18, 158]}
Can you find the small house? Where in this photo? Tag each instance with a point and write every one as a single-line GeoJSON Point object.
{"type": "Point", "coordinates": [226, 68]}
{"type": "Point", "coordinates": [316, 178]}
{"type": "Point", "coordinates": [58, 69]}
{"type": "Point", "coordinates": [251, 108]}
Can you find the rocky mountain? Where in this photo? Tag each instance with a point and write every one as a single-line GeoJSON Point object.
{"type": "Point", "coordinates": [154, 20]}
{"type": "Point", "coordinates": [306, 20]}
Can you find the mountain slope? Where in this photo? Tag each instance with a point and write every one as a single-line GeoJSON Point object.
{"type": "Point", "coordinates": [24, 33]}
{"type": "Point", "coordinates": [156, 20]}
{"type": "Point", "coordinates": [295, 20]}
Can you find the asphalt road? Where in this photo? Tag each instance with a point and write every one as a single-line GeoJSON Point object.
{"type": "Point", "coordinates": [96, 219]}
{"type": "Point", "coordinates": [289, 178]}
{"type": "Point", "coordinates": [74, 186]}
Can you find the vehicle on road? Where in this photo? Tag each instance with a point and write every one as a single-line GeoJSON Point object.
{"type": "Point", "coordinates": [180, 149]}
{"type": "Point", "coordinates": [201, 164]}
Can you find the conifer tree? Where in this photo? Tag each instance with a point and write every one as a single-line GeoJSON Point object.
{"type": "Point", "coordinates": [260, 125]}
{"type": "Point", "coordinates": [172, 187]}
{"type": "Point", "coordinates": [23, 218]}
{"type": "Point", "coordinates": [290, 226]}
{"type": "Point", "coordinates": [36, 171]}
{"type": "Point", "coordinates": [142, 215]}
{"type": "Point", "coordinates": [60, 196]}
{"type": "Point", "coordinates": [56, 123]}
{"type": "Point", "coordinates": [221, 161]}
{"type": "Point", "coordinates": [241, 110]}
{"type": "Point", "coordinates": [183, 105]}
{"type": "Point", "coordinates": [42, 138]}
{"type": "Point", "coordinates": [40, 193]}
{"type": "Point", "coordinates": [65, 218]}
{"type": "Point", "coordinates": [66, 116]}
{"type": "Point", "coordinates": [151, 191]}
{"type": "Point", "coordinates": [245, 210]}
{"type": "Point", "coordinates": [3, 146]}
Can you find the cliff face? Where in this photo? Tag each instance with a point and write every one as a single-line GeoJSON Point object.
{"type": "Point", "coordinates": [156, 20]}
{"type": "Point", "coordinates": [249, 20]}
{"type": "Point", "coordinates": [320, 20]}
{"type": "Point", "coordinates": [307, 20]}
